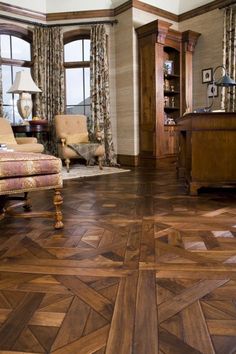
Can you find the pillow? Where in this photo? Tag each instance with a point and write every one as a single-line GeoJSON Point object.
{"type": "Point", "coordinates": [77, 138]}
{"type": "Point", "coordinates": [7, 139]}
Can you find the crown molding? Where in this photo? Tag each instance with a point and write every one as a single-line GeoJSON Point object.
{"type": "Point", "coordinates": [216, 4]}
{"type": "Point", "coordinates": [17, 10]}
{"type": "Point", "coordinates": [154, 10]}
{"type": "Point", "coordinates": [75, 15]}
{"type": "Point", "coordinates": [60, 16]}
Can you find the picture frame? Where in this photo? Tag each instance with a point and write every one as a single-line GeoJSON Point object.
{"type": "Point", "coordinates": [207, 75]}
{"type": "Point", "coordinates": [212, 90]}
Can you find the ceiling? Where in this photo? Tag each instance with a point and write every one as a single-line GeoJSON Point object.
{"type": "Point", "coordinates": [47, 6]}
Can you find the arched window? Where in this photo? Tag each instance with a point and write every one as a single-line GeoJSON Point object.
{"type": "Point", "coordinates": [77, 73]}
{"type": "Point", "coordinates": [15, 52]}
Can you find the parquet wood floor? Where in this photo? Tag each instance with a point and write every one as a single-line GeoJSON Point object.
{"type": "Point", "coordinates": [140, 268]}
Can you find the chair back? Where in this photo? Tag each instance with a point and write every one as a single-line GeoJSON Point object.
{"type": "Point", "coordinates": [68, 124]}
{"type": "Point", "coordinates": [6, 133]}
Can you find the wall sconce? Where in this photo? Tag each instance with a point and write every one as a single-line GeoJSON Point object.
{"type": "Point", "coordinates": [25, 86]}
{"type": "Point", "coordinates": [224, 81]}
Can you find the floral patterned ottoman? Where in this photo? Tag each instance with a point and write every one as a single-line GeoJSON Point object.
{"type": "Point", "coordinates": [27, 172]}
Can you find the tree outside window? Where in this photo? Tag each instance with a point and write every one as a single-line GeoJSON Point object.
{"type": "Point", "coordinates": [77, 76]}
{"type": "Point", "coordinates": [15, 55]}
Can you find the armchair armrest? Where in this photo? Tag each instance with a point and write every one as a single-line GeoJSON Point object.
{"type": "Point", "coordinates": [26, 140]}
{"type": "Point", "coordinates": [63, 141]}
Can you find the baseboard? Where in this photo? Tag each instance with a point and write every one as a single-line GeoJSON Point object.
{"type": "Point", "coordinates": [128, 160]}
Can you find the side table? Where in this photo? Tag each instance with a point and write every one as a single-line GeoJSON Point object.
{"type": "Point", "coordinates": [39, 131]}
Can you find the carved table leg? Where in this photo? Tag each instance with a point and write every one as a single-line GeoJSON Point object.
{"type": "Point", "coordinates": [27, 202]}
{"type": "Point", "coordinates": [57, 201]}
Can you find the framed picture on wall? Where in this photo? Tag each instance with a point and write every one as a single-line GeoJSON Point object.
{"type": "Point", "coordinates": [207, 75]}
{"type": "Point", "coordinates": [212, 90]}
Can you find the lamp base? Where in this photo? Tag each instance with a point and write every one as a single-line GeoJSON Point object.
{"type": "Point", "coordinates": [24, 105]}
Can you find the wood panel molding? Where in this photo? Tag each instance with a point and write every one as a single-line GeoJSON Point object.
{"type": "Point", "coordinates": [154, 10]}
{"type": "Point", "coordinates": [217, 4]}
{"type": "Point", "coordinates": [123, 7]}
{"type": "Point", "coordinates": [60, 16]}
{"type": "Point", "coordinates": [17, 10]}
{"type": "Point", "coordinates": [6, 28]}
{"type": "Point", "coordinates": [73, 15]}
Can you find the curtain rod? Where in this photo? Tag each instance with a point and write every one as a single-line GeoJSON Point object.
{"type": "Point", "coordinates": [109, 22]}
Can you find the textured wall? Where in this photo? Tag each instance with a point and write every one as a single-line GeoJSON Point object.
{"type": "Point", "coordinates": [125, 84]}
{"type": "Point", "coordinates": [208, 52]}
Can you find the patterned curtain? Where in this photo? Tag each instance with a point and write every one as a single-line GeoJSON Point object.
{"type": "Point", "coordinates": [100, 95]}
{"type": "Point", "coordinates": [228, 100]}
{"type": "Point", "coordinates": [1, 93]}
{"type": "Point", "coordinates": [48, 73]}
{"type": "Point", "coordinates": [1, 98]}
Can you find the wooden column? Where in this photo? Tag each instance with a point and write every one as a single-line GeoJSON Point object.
{"type": "Point", "coordinates": [189, 39]}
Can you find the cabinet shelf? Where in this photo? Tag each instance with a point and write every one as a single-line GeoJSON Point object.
{"type": "Point", "coordinates": [171, 76]}
{"type": "Point", "coordinates": [168, 109]}
{"type": "Point", "coordinates": [171, 93]}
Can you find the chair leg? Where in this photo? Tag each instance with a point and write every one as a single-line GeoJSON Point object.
{"type": "Point", "coordinates": [100, 162]}
{"type": "Point", "coordinates": [67, 161]}
{"type": "Point", "coordinates": [57, 201]}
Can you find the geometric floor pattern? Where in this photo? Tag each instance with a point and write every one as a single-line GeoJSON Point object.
{"type": "Point", "coordinates": [139, 268]}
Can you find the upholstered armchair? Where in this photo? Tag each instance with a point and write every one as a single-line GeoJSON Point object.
{"type": "Point", "coordinates": [72, 132]}
{"type": "Point", "coordinates": [23, 144]}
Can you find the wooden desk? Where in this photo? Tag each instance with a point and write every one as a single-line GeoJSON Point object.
{"type": "Point", "coordinates": [207, 150]}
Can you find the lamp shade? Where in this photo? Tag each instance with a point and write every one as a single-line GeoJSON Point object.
{"type": "Point", "coordinates": [23, 83]}
{"type": "Point", "coordinates": [225, 81]}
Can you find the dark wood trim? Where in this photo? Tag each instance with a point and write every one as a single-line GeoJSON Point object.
{"type": "Point", "coordinates": [227, 3]}
{"type": "Point", "coordinates": [18, 31]}
{"type": "Point", "coordinates": [17, 10]}
{"type": "Point", "coordinates": [77, 64]}
{"type": "Point", "coordinates": [154, 10]}
{"type": "Point", "coordinates": [216, 4]}
{"type": "Point", "coordinates": [60, 16]}
{"type": "Point", "coordinates": [123, 7]}
{"type": "Point", "coordinates": [76, 34]}
{"type": "Point", "coordinates": [127, 160]}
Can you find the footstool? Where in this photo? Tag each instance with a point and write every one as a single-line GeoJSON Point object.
{"type": "Point", "coordinates": [23, 172]}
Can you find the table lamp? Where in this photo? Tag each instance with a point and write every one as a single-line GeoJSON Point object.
{"type": "Point", "coordinates": [224, 81]}
{"type": "Point", "coordinates": [25, 86]}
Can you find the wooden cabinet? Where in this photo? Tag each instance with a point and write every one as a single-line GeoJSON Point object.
{"type": "Point", "coordinates": [207, 151]}
{"type": "Point", "coordinates": [161, 96]}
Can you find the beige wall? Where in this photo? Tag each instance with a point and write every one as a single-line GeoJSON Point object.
{"type": "Point", "coordinates": [208, 52]}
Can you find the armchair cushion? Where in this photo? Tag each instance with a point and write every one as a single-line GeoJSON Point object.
{"type": "Point", "coordinates": [26, 140]}
{"type": "Point", "coordinates": [17, 144]}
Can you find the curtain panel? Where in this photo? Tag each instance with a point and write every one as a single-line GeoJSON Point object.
{"type": "Point", "coordinates": [229, 57]}
{"type": "Point", "coordinates": [48, 73]}
{"type": "Point", "coordinates": [1, 98]}
{"type": "Point", "coordinates": [100, 93]}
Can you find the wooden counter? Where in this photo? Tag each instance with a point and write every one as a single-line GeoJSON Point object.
{"type": "Point", "coordinates": [207, 150]}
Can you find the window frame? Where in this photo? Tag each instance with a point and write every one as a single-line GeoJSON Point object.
{"type": "Point", "coordinates": [69, 37]}
{"type": "Point", "coordinates": [22, 33]}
